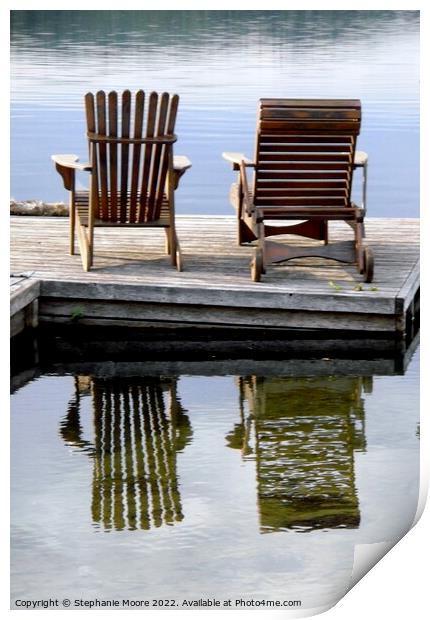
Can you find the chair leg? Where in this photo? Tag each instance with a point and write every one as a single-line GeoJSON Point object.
{"type": "Point", "coordinates": [244, 233]}
{"type": "Point", "coordinates": [179, 261]}
{"type": "Point", "coordinates": [258, 262]}
{"type": "Point", "coordinates": [172, 243]}
{"type": "Point", "coordinates": [257, 265]}
{"type": "Point", "coordinates": [240, 232]}
{"type": "Point", "coordinates": [324, 231]}
{"type": "Point", "coordinates": [238, 235]}
{"type": "Point", "coordinates": [89, 258]}
{"type": "Point", "coordinates": [368, 267]}
{"type": "Point", "coordinates": [84, 248]}
{"type": "Point", "coordinates": [72, 222]}
{"type": "Point", "coordinates": [359, 229]}
{"type": "Point", "coordinates": [167, 242]}
{"type": "Point", "coordinates": [262, 245]}
{"type": "Point", "coordinates": [90, 246]}
{"type": "Point", "coordinates": [364, 255]}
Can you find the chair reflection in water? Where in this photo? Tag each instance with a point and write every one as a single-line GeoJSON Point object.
{"type": "Point", "coordinates": [302, 434]}
{"type": "Point", "coordinates": [139, 426]}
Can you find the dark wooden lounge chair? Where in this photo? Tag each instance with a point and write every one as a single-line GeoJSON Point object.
{"type": "Point", "coordinates": [304, 161]}
{"type": "Point", "coordinates": [133, 173]}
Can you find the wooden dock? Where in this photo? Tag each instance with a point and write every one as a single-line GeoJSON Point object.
{"type": "Point", "coordinates": [132, 283]}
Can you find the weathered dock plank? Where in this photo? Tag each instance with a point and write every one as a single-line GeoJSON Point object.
{"type": "Point", "coordinates": [143, 315]}
{"type": "Point", "coordinates": [133, 283]}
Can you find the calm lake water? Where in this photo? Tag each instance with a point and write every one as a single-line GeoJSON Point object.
{"type": "Point", "coordinates": [207, 486]}
{"type": "Point", "coordinates": [220, 63]}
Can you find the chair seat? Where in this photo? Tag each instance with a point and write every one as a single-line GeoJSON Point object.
{"type": "Point", "coordinates": [82, 206]}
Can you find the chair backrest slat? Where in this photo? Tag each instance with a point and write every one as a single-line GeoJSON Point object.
{"type": "Point", "coordinates": [125, 133]}
{"type": "Point", "coordinates": [150, 127]}
{"type": "Point", "coordinates": [113, 154]}
{"type": "Point", "coordinates": [103, 166]}
{"type": "Point", "coordinates": [93, 154]}
{"type": "Point", "coordinates": [305, 152]}
{"type": "Point", "coordinates": [138, 125]}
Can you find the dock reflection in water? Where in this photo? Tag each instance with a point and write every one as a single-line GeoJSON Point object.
{"type": "Point", "coordinates": [302, 433]}
{"type": "Point", "coordinates": [139, 426]}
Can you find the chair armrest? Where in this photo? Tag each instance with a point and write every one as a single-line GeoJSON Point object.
{"type": "Point", "coordinates": [70, 161]}
{"type": "Point", "coordinates": [361, 158]}
{"type": "Point", "coordinates": [236, 159]}
{"type": "Point", "coordinates": [66, 166]}
{"type": "Point", "coordinates": [180, 165]}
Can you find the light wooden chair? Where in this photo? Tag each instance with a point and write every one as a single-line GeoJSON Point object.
{"type": "Point", "coordinates": [303, 168]}
{"type": "Point", "coordinates": [133, 173]}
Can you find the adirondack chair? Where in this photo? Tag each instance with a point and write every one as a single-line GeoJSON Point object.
{"type": "Point", "coordinates": [304, 161]}
{"type": "Point", "coordinates": [133, 173]}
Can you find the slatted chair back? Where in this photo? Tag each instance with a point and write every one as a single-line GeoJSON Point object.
{"type": "Point", "coordinates": [305, 152]}
{"type": "Point", "coordinates": [130, 141]}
